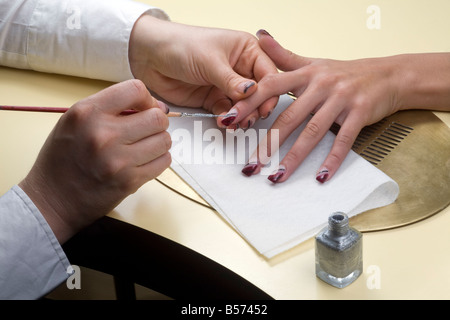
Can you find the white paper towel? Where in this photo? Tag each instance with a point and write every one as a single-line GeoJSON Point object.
{"type": "Point", "coordinates": [271, 217]}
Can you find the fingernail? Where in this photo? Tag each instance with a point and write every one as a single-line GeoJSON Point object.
{"type": "Point", "coordinates": [229, 118]}
{"type": "Point", "coordinates": [163, 106]}
{"type": "Point", "coordinates": [322, 175]}
{"type": "Point", "coordinates": [263, 32]}
{"type": "Point", "coordinates": [248, 86]}
{"type": "Point", "coordinates": [251, 122]}
{"type": "Point", "coordinates": [268, 115]}
{"type": "Point", "coordinates": [249, 168]}
{"type": "Point", "coordinates": [277, 174]}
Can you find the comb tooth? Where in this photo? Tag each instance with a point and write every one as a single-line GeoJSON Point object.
{"type": "Point", "coordinates": [403, 127]}
{"type": "Point", "coordinates": [377, 150]}
{"type": "Point", "coordinates": [384, 143]}
{"type": "Point", "coordinates": [390, 138]}
{"type": "Point", "coordinates": [395, 133]}
{"type": "Point", "coordinates": [379, 140]}
{"type": "Point", "coordinates": [372, 160]}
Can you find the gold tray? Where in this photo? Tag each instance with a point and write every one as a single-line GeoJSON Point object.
{"type": "Point", "coordinates": [412, 147]}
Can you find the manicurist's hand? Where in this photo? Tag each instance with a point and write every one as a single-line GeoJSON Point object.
{"type": "Point", "coordinates": [352, 94]}
{"type": "Point", "coordinates": [200, 67]}
{"type": "Point", "coordinates": [95, 157]}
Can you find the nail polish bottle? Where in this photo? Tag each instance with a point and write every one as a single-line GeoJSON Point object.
{"type": "Point", "coordinates": [338, 252]}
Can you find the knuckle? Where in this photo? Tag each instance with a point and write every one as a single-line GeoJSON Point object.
{"type": "Point", "coordinates": [312, 130]}
{"type": "Point", "coordinates": [329, 81]}
{"type": "Point", "coordinates": [270, 80]}
{"type": "Point", "coordinates": [335, 158]}
{"type": "Point", "coordinates": [167, 140]}
{"type": "Point", "coordinates": [230, 81]}
{"type": "Point", "coordinates": [158, 120]}
{"type": "Point", "coordinates": [137, 87]}
{"type": "Point", "coordinates": [286, 117]}
{"type": "Point", "coordinates": [108, 168]}
{"type": "Point", "coordinates": [344, 140]}
{"type": "Point", "coordinates": [130, 185]}
{"type": "Point", "coordinates": [344, 88]}
{"type": "Point", "coordinates": [167, 159]}
{"type": "Point", "coordinates": [161, 145]}
{"type": "Point", "coordinates": [79, 114]}
{"type": "Point", "coordinates": [99, 138]}
{"type": "Point", "coordinates": [293, 157]}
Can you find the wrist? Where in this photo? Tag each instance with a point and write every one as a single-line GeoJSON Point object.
{"type": "Point", "coordinates": [35, 190]}
{"type": "Point", "coordinates": [423, 81]}
{"type": "Point", "coordinates": [146, 41]}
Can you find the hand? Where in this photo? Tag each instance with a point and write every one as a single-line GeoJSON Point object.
{"type": "Point", "coordinates": [200, 67]}
{"type": "Point", "coordinates": [351, 93]}
{"type": "Point", "coordinates": [95, 157]}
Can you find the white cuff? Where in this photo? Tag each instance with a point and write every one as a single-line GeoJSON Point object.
{"type": "Point", "coordinates": [84, 38]}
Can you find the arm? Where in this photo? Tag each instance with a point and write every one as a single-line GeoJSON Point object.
{"type": "Point", "coordinates": [189, 66]}
{"type": "Point", "coordinates": [91, 161]}
{"type": "Point", "coordinates": [353, 94]}
{"type": "Point", "coordinates": [32, 262]}
{"type": "Point", "coordinates": [95, 157]}
{"type": "Point", "coordinates": [77, 37]}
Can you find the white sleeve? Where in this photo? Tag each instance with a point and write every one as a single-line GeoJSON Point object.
{"type": "Point", "coordinates": [32, 262]}
{"type": "Point", "coordinates": [73, 37]}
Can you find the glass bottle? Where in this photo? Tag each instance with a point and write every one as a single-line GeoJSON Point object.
{"type": "Point", "coordinates": [338, 252]}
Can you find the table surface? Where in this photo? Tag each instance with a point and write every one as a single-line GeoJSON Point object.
{"type": "Point", "coordinates": [410, 262]}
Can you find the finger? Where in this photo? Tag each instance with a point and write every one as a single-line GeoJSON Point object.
{"type": "Point", "coordinates": [262, 155]}
{"type": "Point", "coordinates": [263, 67]}
{"type": "Point", "coordinates": [269, 87]}
{"type": "Point", "coordinates": [148, 171]}
{"type": "Point", "coordinates": [148, 149]}
{"type": "Point", "coordinates": [231, 83]}
{"type": "Point", "coordinates": [267, 108]}
{"type": "Point", "coordinates": [143, 124]}
{"type": "Point", "coordinates": [284, 59]}
{"type": "Point", "coordinates": [217, 102]}
{"type": "Point", "coordinates": [315, 129]}
{"type": "Point", "coordinates": [131, 94]}
{"type": "Point", "coordinates": [286, 123]}
{"type": "Point", "coordinates": [341, 147]}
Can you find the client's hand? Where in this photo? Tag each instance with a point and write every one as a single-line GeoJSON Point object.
{"type": "Point", "coordinates": [352, 94]}
{"type": "Point", "coordinates": [200, 67]}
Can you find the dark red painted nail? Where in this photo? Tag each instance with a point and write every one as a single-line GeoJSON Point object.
{"type": "Point", "coordinates": [322, 176]}
{"type": "Point", "coordinates": [249, 169]}
{"type": "Point", "coordinates": [277, 175]}
{"type": "Point", "coordinates": [228, 120]}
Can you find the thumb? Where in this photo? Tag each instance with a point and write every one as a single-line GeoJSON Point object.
{"type": "Point", "coordinates": [232, 84]}
{"type": "Point", "coordinates": [284, 59]}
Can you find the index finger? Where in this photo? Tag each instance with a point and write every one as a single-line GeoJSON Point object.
{"type": "Point", "coordinates": [127, 95]}
{"type": "Point", "coordinates": [270, 86]}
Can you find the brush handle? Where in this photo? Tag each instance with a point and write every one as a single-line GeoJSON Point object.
{"type": "Point", "coordinates": [35, 109]}
{"type": "Point", "coordinates": [126, 112]}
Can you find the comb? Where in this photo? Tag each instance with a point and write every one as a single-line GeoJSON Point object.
{"type": "Point", "coordinates": [377, 141]}
{"type": "Point", "coordinates": [413, 148]}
